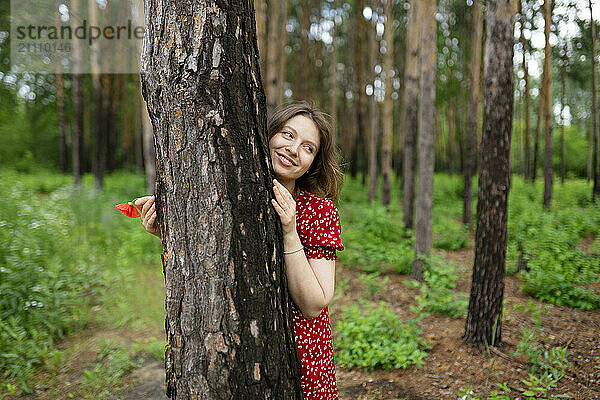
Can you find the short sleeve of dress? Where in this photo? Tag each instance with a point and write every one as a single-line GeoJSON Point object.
{"type": "Point", "coordinates": [323, 237]}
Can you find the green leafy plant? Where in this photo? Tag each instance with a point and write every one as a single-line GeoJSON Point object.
{"type": "Point", "coordinates": [373, 284]}
{"type": "Point", "coordinates": [376, 337]}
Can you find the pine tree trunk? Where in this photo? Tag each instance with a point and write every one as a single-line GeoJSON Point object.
{"type": "Point", "coordinates": [451, 134]}
{"type": "Point", "coordinates": [472, 114]}
{"type": "Point", "coordinates": [484, 318]}
{"type": "Point", "coordinates": [229, 326]}
{"type": "Point", "coordinates": [62, 121]}
{"type": "Point", "coordinates": [359, 86]}
{"type": "Point", "coordinates": [426, 156]}
{"type": "Point", "coordinates": [304, 53]}
{"type": "Point", "coordinates": [148, 149]}
{"type": "Point", "coordinates": [563, 73]}
{"type": "Point", "coordinates": [411, 101]}
{"type": "Point", "coordinates": [283, 55]}
{"type": "Point", "coordinates": [548, 170]}
{"type": "Point", "coordinates": [373, 131]}
{"type": "Point", "coordinates": [273, 56]}
{"type": "Point", "coordinates": [538, 128]}
{"type": "Point", "coordinates": [594, 133]}
{"type": "Point", "coordinates": [527, 161]}
{"type": "Point", "coordinates": [388, 105]}
{"type": "Point", "coordinates": [77, 103]}
{"type": "Point", "coordinates": [140, 107]}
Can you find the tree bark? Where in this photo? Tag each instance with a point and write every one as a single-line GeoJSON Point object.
{"type": "Point", "coordinates": [484, 318]}
{"type": "Point", "coordinates": [527, 156]}
{"type": "Point", "coordinates": [426, 157]}
{"type": "Point", "coordinates": [548, 170]}
{"type": "Point", "coordinates": [229, 326]}
{"type": "Point", "coordinates": [538, 128]}
{"type": "Point", "coordinates": [359, 86]}
{"type": "Point", "coordinates": [373, 129]}
{"type": "Point", "coordinates": [148, 148]}
{"type": "Point", "coordinates": [594, 135]}
{"type": "Point", "coordinates": [388, 104]}
{"type": "Point", "coordinates": [472, 114]}
{"type": "Point", "coordinates": [411, 101]}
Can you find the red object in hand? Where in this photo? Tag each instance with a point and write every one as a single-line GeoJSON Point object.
{"type": "Point", "coordinates": [128, 209]}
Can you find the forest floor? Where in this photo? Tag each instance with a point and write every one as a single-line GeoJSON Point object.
{"type": "Point", "coordinates": [451, 365]}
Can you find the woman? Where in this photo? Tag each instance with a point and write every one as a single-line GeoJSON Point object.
{"type": "Point", "coordinates": [308, 177]}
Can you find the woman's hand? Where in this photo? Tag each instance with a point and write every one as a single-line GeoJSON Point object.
{"type": "Point", "coordinates": [148, 217]}
{"type": "Point", "coordinates": [285, 206]}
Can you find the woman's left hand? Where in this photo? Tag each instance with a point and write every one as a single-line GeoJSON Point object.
{"type": "Point", "coordinates": [285, 206]}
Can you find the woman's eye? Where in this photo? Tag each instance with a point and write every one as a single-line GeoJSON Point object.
{"type": "Point", "coordinates": [309, 149]}
{"type": "Point", "coordinates": [287, 134]}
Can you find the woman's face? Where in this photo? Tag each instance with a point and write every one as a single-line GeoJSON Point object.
{"type": "Point", "coordinates": [294, 147]}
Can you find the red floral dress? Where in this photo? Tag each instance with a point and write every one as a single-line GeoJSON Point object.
{"type": "Point", "coordinates": [318, 226]}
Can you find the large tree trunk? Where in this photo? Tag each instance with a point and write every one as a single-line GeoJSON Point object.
{"type": "Point", "coordinates": [548, 170]}
{"type": "Point", "coordinates": [388, 104]}
{"type": "Point", "coordinates": [411, 101]}
{"type": "Point", "coordinates": [373, 131]}
{"type": "Point", "coordinates": [77, 103]}
{"type": "Point", "coordinates": [426, 156]}
{"type": "Point", "coordinates": [594, 134]}
{"type": "Point", "coordinates": [527, 159]}
{"type": "Point", "coordinates": [229, 326]}
{"type": "Point", "coordinates": [484, 318]}
{"type": "Point", "coordinates": [472, 114]}
{"type": "Point", "coordinates": [273, 56]}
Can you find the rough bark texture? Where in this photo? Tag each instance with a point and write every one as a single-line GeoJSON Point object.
{"type": "Point", "coordinates": [388, 104]}
{"type": "Point", "coordinates": [472, 114]}
{"type": "Point", "coordinates": [77, 103]}
{"type": "Point", "coordinates": [229, 327]}
{"type": "Point", "coordinates": [411, 101]}
{"type": "Point", "coordinates": [527, 150]}
{"type": "Point", "coordinates": [484, 318]}
{"type": "Point", "coordinates": [373, 132]}
{"type": "Point", "coordinates": [426, 155]}
{"type": "Point", "coordinates": [594, 134]}
{"type": "Point", "coordinates": [548, 171]}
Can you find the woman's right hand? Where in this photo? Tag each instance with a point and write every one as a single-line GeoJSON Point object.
{"type": "Point", "coordinates": [148, 217]}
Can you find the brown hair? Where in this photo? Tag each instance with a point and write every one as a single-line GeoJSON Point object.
{"type": "Point", "coordinates": [324, 177]}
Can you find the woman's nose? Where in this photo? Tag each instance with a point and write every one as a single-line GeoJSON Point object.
{"type": "Point", "coordinates": [292, 149]}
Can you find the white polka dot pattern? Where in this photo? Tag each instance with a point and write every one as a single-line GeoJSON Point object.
{"type": "Point", "coordinates": [318, 226]}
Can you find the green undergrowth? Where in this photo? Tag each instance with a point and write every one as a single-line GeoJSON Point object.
{"type": "Point", "coordinates": [374, 336]}
{"type": "Point", "coordinates": [547, 240]}
{"type": "Point", "coordinates": [63, 251]}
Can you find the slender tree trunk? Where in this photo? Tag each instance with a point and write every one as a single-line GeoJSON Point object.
{"type": "Point", "coordinates": [62, 121]}
{"type": "Point", "coordinates": [99, 159]}
{"type": "Point", "coordinates": [140, 107]}
{"type": "Point", "coordinates": [548, 167]}
{"type": "Point", "coordinates": [126, 139]}
{"type": "Point", "coordinates": [527, 161]}
{"type": "Point", "coordinates": [261, 33]}
{"type": "Point", "coordinates": [304, 53]}
{"type": "Point", "coordinates": [411, 101]}
{"type": "Point", "coordinates": [594, 134]}
{"type": "Point", "coordinates": [484, 318]}
{"type": "Point", "coordinates": [562, 114]}
{"type": "Point", "coordinates": [388, 105]}
{"type": "Point", "coordinates": [148, 149]}
{"type": "Point", "coordinates": [472, 114]}
{"type": "Point", "coordinates": [273, 56]}
{"type": "Point", "coordinates": [359, 85]}
{"type": "Point", "coordinates": [538, 128]}
{"type": "Point", "coordinates": [229, 326]}
{"type": "Point", "coordinates": [373, 131]}
{"type": "Point", "coordinates": [519, 133]}
{"type": "Point", "coordinates": [451, 134]}
{"type": "Point", "coordinates": [77, 103]}
{"type": "Point", "coordinates": [426, 155]}
{"type": "Point", "coordinates": [283, 55]}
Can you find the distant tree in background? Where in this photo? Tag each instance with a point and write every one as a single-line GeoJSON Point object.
{"type": "Point", "coordinates": [373, 128]}
{"type": "Point", "coordinates": [594, 134]}
{"type": "Point", "coordinates": [549, 116]}
{"type": "Point", "coordinates": [472, 113]}
{"type": "Point", "coordinates": [484, 318]}
{"type": "Point", "coordinates": [411, 109]}
{"type": "Point", "coordinates": [526, 150]}
{"type": "Point", "coordinates": [426, 160]}
{"type": "Point", "coordinates": [388, 104]}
